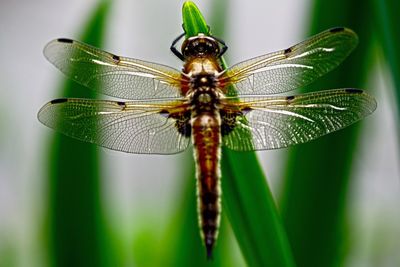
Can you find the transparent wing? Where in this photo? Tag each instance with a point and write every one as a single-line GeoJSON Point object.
{"type": "Point", "coordinates": [294, 67]}
{"type": "Point", "coordinates": [113, 75]}
{"type": "Point", "coordinates": [276, 122]}
{"type": "Point", "coordinates": [134, 127]}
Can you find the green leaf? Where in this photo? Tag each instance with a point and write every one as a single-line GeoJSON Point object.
{"type": "Point", "coordinates": [193, 21]}
{"type": "Point", "coordinates": [386, 13]}
{"type": "Point", "coordinates": [77, 230]}
{"type": "Point", "coordinates": [252, 212]}
{"type": "Point", "coordinates": [318, 173]}
{"type": "Point", "coordinates": [246, 197]}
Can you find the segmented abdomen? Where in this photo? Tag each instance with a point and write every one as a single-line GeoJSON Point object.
{"type": "Point", "coordinates": [206, 138]}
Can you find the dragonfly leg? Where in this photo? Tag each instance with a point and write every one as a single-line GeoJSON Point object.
{"type": "Point", "coordinates": [224, 46]}
{"type": "Point", "coordinates": [176, 51]}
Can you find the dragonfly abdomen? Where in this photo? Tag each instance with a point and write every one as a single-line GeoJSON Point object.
{"type": "Point", "coordinates": [206, 138]}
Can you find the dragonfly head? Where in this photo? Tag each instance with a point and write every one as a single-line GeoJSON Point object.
{"type": "Point", "coordinates": [200, 46]}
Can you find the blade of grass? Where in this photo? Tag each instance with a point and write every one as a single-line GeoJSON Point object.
{"type": "Point", "coordinates": [77, 232]}
{"type": "Point", "coordinates": [193, 21]}
{"type": "Point", "coordinates": [246, 197]}
{"type": "Point", "coordinates": [386, 12]}
{"type": "Point", "coordinates": [318, 173]}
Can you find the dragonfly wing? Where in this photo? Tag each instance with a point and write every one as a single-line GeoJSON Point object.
{"type": "Point", "coordinates": [294, 67]}
{"type": "Point", "coordinates": [134, 126]}
{"type": "Point", "coordinates": [276, 122]}
{"type": "Point", "coordinates": [111, 74]}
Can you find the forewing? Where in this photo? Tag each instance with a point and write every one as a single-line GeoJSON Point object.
{"type": "Point", "coordinates": [133, 127]}
{"type": "Point", "coordinates": [113, 75]}
{"type": "Point", "coordinates": [294, 67]}
{"type": "Point", "coordinates": [276, 122]}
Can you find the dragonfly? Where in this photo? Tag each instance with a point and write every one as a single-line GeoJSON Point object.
{"type": "Point", "coordinates": [205, 105]}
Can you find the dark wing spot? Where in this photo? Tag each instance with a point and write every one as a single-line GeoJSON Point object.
{"type": "Point", "coordinates": [58, 101]}
{"type": "Point", "coordinates": [122, 104]}
{"type": "Point", "coordinates": [228, 121]}
{"type": "Point", "coordinates": [182, 122]}
{"type": "Point", "coordinates": [337, 29]}
{"type": "Point", "coordinates": [353, 91]}
{"type": "Point", "coordinates": [164, 113]}
{"type": "Point", "coordinates": [246, 109]}
{"type": "Point", "coordinates": [287, 51]}
{"type": "Point", "coordinates": [290, 98]}
{"type": "Point", "coordinates": [65, 40]}
{"type": "Point", "coordinates": [116, 58]}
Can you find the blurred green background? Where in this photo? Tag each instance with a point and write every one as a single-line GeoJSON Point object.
{"type": "Point", "coordinates": [338, 196]}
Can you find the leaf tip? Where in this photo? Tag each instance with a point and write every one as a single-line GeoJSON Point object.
{"type": "Point", "coordinates": [193, 21]}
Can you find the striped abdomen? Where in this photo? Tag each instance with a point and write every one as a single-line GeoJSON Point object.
{"type": "Point", "coordinates": [206, 138]}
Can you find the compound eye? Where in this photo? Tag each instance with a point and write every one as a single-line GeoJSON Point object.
{"type": "Point", "coordinates": [201, 48]}
{"type": "Point", "coordinates": [213, 49]}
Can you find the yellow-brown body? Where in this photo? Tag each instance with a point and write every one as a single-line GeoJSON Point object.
{"type": "Point", "coordinates": [204, 95]}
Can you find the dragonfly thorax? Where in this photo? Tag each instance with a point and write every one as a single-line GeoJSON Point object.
{"type": "Point", "coordinates": [203, 80]}
{"type": "Point", "coordinates": [204, 98]}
